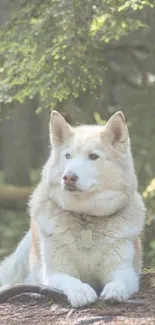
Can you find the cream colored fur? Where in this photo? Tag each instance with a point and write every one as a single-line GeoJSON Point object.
{"type": "Point", "coordinates": [104, 202]}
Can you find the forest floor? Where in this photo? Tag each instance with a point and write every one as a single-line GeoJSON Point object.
{"type": "Point", "coordinates": [27, 309]}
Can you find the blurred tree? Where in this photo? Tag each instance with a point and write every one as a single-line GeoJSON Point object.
{"type": "Point", "coordinates": [15, 144]}
{"type": "Point", "coordinates": [57, 48]}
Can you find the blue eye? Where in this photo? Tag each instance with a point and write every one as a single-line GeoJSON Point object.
{"type": "Point", "coordinates": [68, 156]}
{"type": "Point", "coordinates": [93, 156]}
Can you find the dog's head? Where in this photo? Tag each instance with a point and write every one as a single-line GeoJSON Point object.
{"type": "Point", "coordinates": [90, 158]}
{"type": "Point", "coordinates": [87, 159]}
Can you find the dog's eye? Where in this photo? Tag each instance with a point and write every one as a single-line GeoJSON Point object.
{"type": "Point", "coordinates": [93, 156]}
{"type": "Point", "coordinates": [68, 156]}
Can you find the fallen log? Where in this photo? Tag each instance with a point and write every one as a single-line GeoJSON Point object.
{"type": "Point", "coordinates": [14, 197]}
{"type": "Point", "coordinates": [9, 292]}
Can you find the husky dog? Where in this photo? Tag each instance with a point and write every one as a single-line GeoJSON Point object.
{"type": "Point", "coordinates": [86, 216]}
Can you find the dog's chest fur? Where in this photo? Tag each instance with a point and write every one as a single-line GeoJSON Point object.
{"type": "Point", "coordinates": [80, 232]}
{"type": "Point", "coordinates": [85, 244]}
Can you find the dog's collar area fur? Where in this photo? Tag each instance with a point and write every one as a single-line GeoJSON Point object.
{"type": "Point", "coordinates": [85, 220]}
{"type": "Point", "coordinates": [87, 217]}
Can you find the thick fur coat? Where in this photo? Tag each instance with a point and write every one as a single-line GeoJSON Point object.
{"type": "Point", "coordinates": [86, 216]}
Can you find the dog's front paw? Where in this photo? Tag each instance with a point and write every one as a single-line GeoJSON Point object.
{"type": "Point", "coordinates": [115, 291]}
{"type": "Point", "coordinates": [81, 295]}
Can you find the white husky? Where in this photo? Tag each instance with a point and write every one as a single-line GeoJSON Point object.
{"type": "Point", "coordinates": [86, 216]}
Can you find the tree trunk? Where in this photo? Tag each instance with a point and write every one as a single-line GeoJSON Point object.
{"type": "Point", "coordinates": [36, 135]}
{"type": "Point", "coordinates": [16, 144]}
{"type": "Point", "coordinates": [45, 143]}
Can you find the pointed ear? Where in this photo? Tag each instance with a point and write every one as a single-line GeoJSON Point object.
{"type": "Point", "coordinates": [116, 130]}
{"type": "Point", "coordinates": [60, 130]}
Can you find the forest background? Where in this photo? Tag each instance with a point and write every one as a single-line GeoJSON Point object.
{"type": "Point", "coordinates": [87, 59]}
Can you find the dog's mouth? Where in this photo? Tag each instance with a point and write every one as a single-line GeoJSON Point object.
{"type": "Point", "coordinates": [71, 188]}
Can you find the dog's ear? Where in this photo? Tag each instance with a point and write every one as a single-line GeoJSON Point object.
{"type": "Point", "coordinates": [116, 130]}
{"type": "Point", "coordinates": [60, 130]}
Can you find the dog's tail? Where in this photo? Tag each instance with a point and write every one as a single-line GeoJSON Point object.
{"type": "Point", "coordinates": [14, 268]}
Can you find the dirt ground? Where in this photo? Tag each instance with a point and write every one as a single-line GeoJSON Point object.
{"type": "Point", "coordinates": [29, 309]}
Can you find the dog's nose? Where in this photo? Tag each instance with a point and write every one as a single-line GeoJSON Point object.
{"type": "Point", "coordinates": [70, 178]}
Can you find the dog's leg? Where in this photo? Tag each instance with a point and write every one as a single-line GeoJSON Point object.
{"type": "Point", "coordinates": [123, 283]}
{"type": "Point", "coordinates": [120, 275]}
{"type": "Point", "coordinates": [78, 293]}
{"type": "Point", "coordinates": [59, 272]}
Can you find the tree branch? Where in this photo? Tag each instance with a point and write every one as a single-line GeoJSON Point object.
{"type": "Point", "coordinates": [12, 291]}
{"type": "Point", "coordinates": [91, 320]}
{"type": "Point", "coordinates": [14, 196]}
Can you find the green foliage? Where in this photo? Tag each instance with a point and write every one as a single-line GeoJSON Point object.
{"type": "Point", "coordinates": [55, 48]}
{"type": "Point", "coordinates": [149, 198]}
{"type": "Point", "coordinates": [98, 119]}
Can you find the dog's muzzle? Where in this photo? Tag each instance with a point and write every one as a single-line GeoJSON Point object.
{"type": "Point", "coordinates": [69, 182]}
